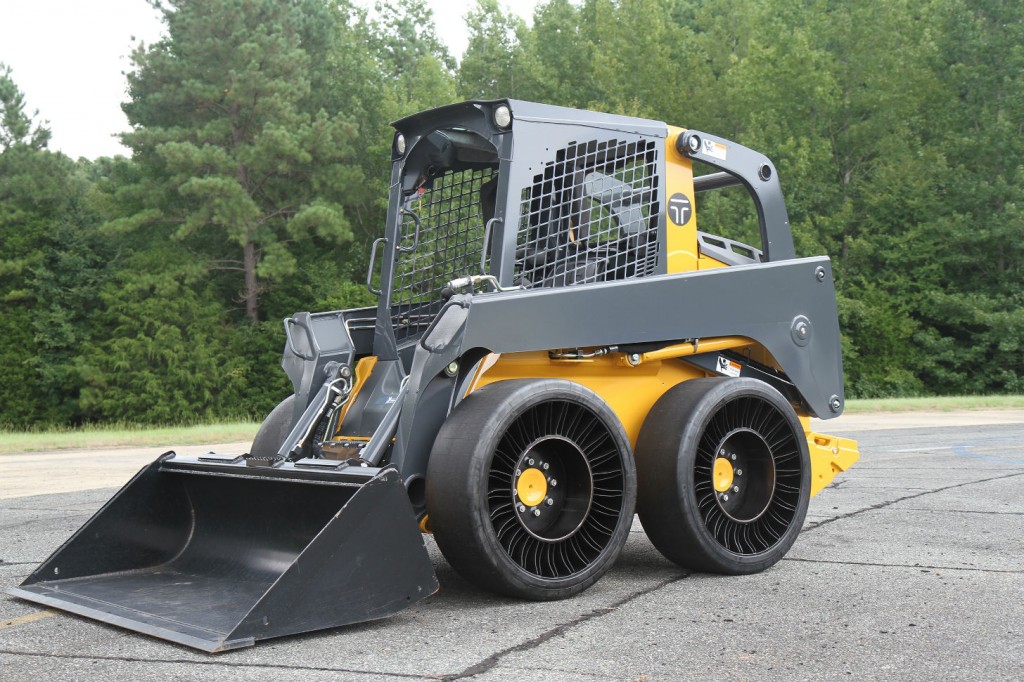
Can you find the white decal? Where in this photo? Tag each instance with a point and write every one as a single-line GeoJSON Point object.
{"type": "Point", "coordinates": [728, 367]}
{"type": "Point", "coordinates": [715, 149]}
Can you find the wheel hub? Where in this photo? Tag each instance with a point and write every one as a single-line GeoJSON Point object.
{"type": "Point", "coordinates": [532, 487]}
{"type": "Point", "coordinates": [723, 474]}
{"type": "Point", "coordinates": [743, 476]}
{"type": "Point", "coordinates": [552, 489]}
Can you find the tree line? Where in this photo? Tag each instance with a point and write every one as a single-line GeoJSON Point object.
{"type": "Point", "coordinates": [150, 288]}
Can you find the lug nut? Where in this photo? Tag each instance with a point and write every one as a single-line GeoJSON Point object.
{"type": "Point", "coordinates": [733, 458]}
{"type": "Point", "coordinates": [536, 512]}
{"type": "Point", "coordinates": [735, 488]}
{"type": "Point", "coordinates": [739, 472]}
{"type": "Point", "coordinates": [544, 466]}
{"type": "Point", "coordinates": [518, 473]}
{"type": "Point", "coordinates": [530, 462]}
{"type": "Point", "coordinates": [522, 508]}
{"type": "Point", "coordinates": [553, 482]}
{"type": "Point", "coordinates": [549, 502]}
{"type": "Point", "coordinates": [725, 498]}
{"type": "Point", "coordinates": [721, 453]}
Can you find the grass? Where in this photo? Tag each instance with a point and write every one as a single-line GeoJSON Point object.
{"type": "Point", "coordinates": [936, 404]}
{"type": "Point", "coordinates": [135, 436]}
{"type": "Point", "coordinates": [121, 436]}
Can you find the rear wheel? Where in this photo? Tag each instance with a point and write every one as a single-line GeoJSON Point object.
{"type": "Point", "coordinates": [723, 475]}
{"type": "Point", "coordinates": [531, 488]}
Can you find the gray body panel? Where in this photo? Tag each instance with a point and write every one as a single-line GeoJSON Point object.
{"type": "Point", "coordinates": [761, 302]}
{"type": "Point", "coordinates": [756, 301]}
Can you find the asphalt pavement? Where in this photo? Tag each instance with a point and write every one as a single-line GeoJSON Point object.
{"type": "Point", "coordinates": [910, 567]}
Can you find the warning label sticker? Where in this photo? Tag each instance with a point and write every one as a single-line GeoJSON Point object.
{"type": "Point", "coordinates": [715, 149]}
{"type": "Point", "coordinates": [729, 368]}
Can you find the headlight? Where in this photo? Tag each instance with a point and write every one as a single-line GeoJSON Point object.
{"type": "Point", "coordinates": [502, 116]}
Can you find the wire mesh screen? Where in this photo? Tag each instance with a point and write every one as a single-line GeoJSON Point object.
{"type": "Point", "coordinates": [591, 216]}
{"type": "Point", "coordinates": [448, 244]}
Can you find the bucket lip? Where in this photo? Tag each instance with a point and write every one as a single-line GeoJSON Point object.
{"type": "Point", "coordinates": [210, 641]}
{"type": "Point", "coordinates": [348, 473]}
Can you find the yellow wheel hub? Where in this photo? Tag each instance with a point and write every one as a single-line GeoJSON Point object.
{"type": "Point", "coordinates": [722, 474]}
{"type": "Point", "coordinates": [532, 487]}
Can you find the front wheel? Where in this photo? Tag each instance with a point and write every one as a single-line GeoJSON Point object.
{"type": "Point", "coordinates": [723, 475]}
{"type": "Point", "coordinates": [274, 430]}
{"type": "Point", "coordinates": [531, 488]}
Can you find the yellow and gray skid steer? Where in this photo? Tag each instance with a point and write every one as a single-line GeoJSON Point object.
{"type": "Point", "coordinates": [556, 346]}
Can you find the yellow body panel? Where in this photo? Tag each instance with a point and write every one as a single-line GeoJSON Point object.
{"type": "Point", "coordinates": [363, 370]}
{"type": "Point", "coordinates": [630, 390]}
{"type": "Point", "coordinates": [829, 456]}
{"type": "Point", "coordinates": [680, 240]}
{"type": "Point", "coordinates": [683, 253]}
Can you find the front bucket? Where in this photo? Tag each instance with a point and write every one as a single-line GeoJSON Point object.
{"type": "Point", "coordinates": [214, 554]}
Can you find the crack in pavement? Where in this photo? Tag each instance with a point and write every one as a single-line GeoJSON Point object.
{"type": "Point", "coordinates": [883, 505]}
{"type": "Point", "coordinates": [919, 566]}
{"type": "Point", "coordinates": [541, 672]}
{"type": "Point", "coordinates": [269, 666]}
{"type": "Point", "coordinates": [966, 511]}
{"type": "Point", "coordinates": [493, 660]}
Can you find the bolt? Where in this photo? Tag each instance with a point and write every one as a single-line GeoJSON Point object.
{"type": "Point", "coordinates": [802, 330]}
{"type": "Point", "coordinates": [536, 512]}
{"type": "Point", "coordinates": [553, 482]}
{"type": "Point", "coordinates": [518, 473]}
{"type": "Point", "coordinates": [733, 457]}
{"type": "Point", "coordinates": [549, 502]}
{"type": "Point", "coordinates": [735, 488]}
{"type": "Point", "coordinates": [725, 498]}
{"type": "Point", "coordinates": [530, 462]}
{"type": "Point", "coordinates": [634, 358]}
{"type": "Point", "coordinates": [739, 472]}
{"type": "Point", "coordinates": [452, 369]}
{"type": "Point", "coordinates": [721, 453]}
{"type": "Point", "coordinates": [544, 466]}
{"type": "Point", "coordinates": [835, 404]}
{"type": "Point", "coordinates": [522, 508]}
{"type": "Point", "coordinates": [819, 273]}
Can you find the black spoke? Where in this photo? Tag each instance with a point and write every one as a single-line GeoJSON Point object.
{"type": "Point", "coordinates": [573, 450]}
{"type": "Point", "coordinates": [753, 513]}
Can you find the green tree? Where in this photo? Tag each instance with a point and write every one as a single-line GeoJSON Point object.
{"type": "Point", "coordinates": [236, 163]}
{"type": "Point", "coordinates": [495, 63]}
{"type": "Point", "coordinates": [16, 126]}
{"type": "Point", "coordinates": [51, 264]}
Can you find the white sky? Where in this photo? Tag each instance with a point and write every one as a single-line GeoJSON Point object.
{"type": "Point", "coordinates": [69, 57]}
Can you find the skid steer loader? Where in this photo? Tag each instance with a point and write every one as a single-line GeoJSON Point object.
{"type": "Point", "coordinates": [556, 346]}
